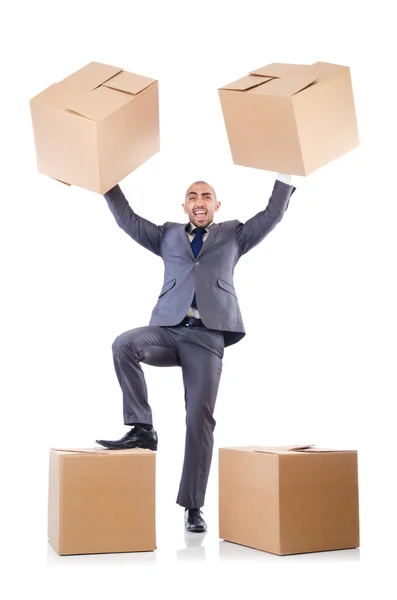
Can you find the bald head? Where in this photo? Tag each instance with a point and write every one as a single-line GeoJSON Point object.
{"type": "Point", "coordinates": [200, 183]}
{"type": "Point", "coordinates": [200, 203]}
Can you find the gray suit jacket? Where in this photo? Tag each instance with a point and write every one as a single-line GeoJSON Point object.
{"type": "Point", "coordinates": [210, 275]}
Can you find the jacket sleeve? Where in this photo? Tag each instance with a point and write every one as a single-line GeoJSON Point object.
{"type": "Point", "coordinates": [256, 229]}
{"type": "Point", "coordinates": [141, 230]}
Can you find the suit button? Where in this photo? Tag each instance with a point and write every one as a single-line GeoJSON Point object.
{"type": "Point", "coordinates": [197, 263]}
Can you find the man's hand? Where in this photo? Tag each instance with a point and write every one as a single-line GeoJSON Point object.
{"type": "Point", "coordinates": [284, 178]}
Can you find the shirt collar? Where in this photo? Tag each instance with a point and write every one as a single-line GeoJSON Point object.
{"type": "Point", "coordinates": [190, 226]}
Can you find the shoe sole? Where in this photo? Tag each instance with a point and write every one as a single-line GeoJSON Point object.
{"type": "Point", "coordinates": [152, 447]}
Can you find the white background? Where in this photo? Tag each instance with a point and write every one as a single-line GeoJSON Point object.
{"type": "Point", "coordinates": [318, 295]}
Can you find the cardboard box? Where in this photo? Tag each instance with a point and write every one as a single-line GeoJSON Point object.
{"type": "Point", "coordinates": [96, 126]}
{"type": "Point", "coordinates": [101, 501]}
{"type": "Point", "coordinates": [289, 499]}
{"type": "Point", "coordinates": [290, 118]}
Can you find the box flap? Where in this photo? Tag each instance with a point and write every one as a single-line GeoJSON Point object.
{"type": "Point", "coordinates": [286, 70]}
{"type": "Point", "coordinates": [246, 83]}
{"type": "Point", "coordinates": [131, 83]}
{"type": "Point", "coordinates": [308, 449]}
{"type": "Point", "coordinates": [99, 103]}
{"type": "Point", "coordinates": [56, 95]}
{"type": "Point", "coordinates": [328, 70]}
{"type": "Point", "coordinates": [319, 450]}
{"type": "Point", "coordinates": [101, 451]}
{"type": "Point", "coordinates": [90, 77]}
{"type": "Point", "coordinates": [282, 449]}
{"type": "Point", "coordinates": [284, 86]}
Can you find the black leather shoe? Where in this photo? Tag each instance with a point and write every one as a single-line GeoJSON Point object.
{"type": "Point", "coordinates": [136, 438]}
{"type": "Point", "coordinates": [194, 521]}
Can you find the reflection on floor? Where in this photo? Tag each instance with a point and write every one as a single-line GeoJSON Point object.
{"type": "Point", "coordinates": [184, 547]}
{"type": "Point", "coordinates": [194, 550]}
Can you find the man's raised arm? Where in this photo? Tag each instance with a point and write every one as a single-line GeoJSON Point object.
{"type": "Point", "coordinates": [256, 229]}
{"type": "Point", "coordinates": [141, 230]}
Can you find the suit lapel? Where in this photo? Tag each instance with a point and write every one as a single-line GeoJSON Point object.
{"type": "Point", "coordinates": [212, 232]}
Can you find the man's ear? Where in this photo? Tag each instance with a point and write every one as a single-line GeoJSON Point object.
{"type": "Point", "coordinates": [184, 208]}
{"type": "Point", "coordinates": [218, 205]}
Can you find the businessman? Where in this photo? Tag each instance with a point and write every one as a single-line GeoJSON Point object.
{"type": "Point", "coordinates": [196, 316]}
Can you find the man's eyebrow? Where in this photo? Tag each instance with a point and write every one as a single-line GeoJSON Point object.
{"type": "Point", "coordinates": [203, 194]}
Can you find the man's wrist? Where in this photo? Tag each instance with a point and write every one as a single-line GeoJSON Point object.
{"type": "Point", "coordinates": [285, 178]}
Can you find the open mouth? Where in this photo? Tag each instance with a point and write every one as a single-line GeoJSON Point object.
{"type": "Point", "coordinates": [200, 215]}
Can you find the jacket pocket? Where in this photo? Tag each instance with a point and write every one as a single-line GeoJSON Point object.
{"type": "Point", "coordinates": [227, 287]}
{"type": "Point", "coordinates": [167, 286]}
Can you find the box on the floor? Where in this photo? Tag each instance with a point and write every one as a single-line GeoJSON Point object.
{"type": "Point", "coordinates": [290, 118]}
{"type": "Point", "coordinates": [289, 499]}
{"type": "Point", "coordinates": [101, 501]}
{"type": "Point", "coordinates": [96, 126]}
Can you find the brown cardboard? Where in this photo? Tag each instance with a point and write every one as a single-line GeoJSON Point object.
{"type": "Point", "coordinates": [290, 118]}
{"type": "Point", "coordinates": [95, 127]}
{"type": "Point", "coordinates": [289, 499]}
{"type": "Point", "coordinates": [101, 500]}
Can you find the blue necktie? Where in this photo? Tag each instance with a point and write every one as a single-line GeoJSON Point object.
{"type": "Point", "coordinates": [197, 244]}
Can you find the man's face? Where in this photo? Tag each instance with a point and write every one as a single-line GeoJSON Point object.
{"type": "Point", "coordinates": [201, 204]}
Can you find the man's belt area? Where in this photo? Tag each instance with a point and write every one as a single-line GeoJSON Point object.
{"type": "Point", "coordinates": [192, 322]}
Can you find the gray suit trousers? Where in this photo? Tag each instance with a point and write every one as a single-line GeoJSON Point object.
{"type": "Point", "coordinates": [199, 352]}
